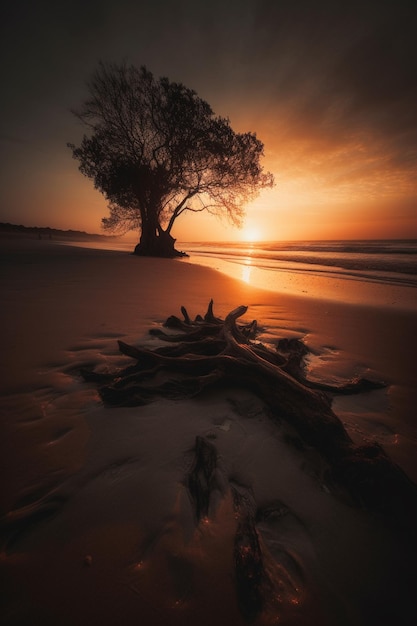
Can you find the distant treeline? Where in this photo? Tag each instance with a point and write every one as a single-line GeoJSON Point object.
{"type": "Point", "coordinates": [49, 232]}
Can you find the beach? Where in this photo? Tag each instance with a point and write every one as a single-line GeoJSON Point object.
{"type": "Point", "coordinates": [97, 525]}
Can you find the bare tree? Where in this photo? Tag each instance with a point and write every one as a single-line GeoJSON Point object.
{"type": "Point", "coordinates": [156, 150]}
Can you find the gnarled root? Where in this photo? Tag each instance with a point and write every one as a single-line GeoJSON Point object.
{"type": "Point", "coordinates": [209, 352]}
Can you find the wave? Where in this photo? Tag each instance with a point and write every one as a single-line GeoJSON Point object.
{"type": "Point", "coordinates": [390, 261]}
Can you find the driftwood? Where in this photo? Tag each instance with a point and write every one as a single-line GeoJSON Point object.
{"type": "Point", "coordinates": [209, 352]}
{"type": "Point", "coordinates": [194, 356]}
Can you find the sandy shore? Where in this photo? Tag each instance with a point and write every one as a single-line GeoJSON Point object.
{"type": "Point", "coordinates": [97, 521]}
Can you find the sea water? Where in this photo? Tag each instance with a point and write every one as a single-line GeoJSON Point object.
{"type": "Point", "coordinates": [332, 269]}
{"type": "Point", "coordinates": [392, 262]}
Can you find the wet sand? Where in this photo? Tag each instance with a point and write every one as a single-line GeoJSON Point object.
{"type": "Point", "coordinates": [96, 518]}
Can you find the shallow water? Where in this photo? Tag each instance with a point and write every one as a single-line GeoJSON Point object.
{"type": "Point", "coordinates": [377, 273]}
{"type": "Point", "coordinates": [390, 262]}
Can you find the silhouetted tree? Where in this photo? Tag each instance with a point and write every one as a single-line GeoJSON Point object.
{"type": "Point", "coordinates": [156, 150]}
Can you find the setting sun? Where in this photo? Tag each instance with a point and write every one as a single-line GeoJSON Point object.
{"type": "Point", "coordinates": [251, 234]}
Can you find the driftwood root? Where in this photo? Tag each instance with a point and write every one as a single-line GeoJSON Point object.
{"type": "Point", "coordinates": [209, 352]}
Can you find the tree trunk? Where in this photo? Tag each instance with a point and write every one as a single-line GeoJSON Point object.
{"type": "Point", "coordinates": [156, 242]}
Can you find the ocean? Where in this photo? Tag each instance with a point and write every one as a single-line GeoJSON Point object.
{"type": "Point", "coordinates": [393, 262]}
{"type": "Point", "coordinates": [336, 266]}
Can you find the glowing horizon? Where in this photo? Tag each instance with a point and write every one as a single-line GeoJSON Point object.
{"type": "Point", "coordinates": [316, 197]}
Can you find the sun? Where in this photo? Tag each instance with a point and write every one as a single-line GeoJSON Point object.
{"type": "Point", "coordinates": [251, 234]}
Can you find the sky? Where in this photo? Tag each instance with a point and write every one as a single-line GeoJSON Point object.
{"type": "Point", "coordinates": [330, 88]}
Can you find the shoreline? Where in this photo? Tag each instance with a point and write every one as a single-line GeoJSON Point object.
{"type": "Point", "coordinates": [293, 279]}
{"type": "Point", "coordinates": [85, 480]}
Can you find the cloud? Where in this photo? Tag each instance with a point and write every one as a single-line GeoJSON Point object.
{"type": "Point", "coordinates": [377, 77]}
{"type": "Point", "coordinates": [341, 90]}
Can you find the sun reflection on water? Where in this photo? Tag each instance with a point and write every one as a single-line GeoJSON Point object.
{"type": "Point", "coordinates": [246, 270]}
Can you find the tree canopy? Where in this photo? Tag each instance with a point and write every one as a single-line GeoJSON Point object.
{"type": "Point", "coordinates": [155, 150]}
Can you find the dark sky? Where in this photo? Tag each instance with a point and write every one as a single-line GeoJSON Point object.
{"type": "Point", "coordinates": [330, 87]}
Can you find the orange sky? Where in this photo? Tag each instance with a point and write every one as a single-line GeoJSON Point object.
{"type": "Point", "coordinates": [330, 90]}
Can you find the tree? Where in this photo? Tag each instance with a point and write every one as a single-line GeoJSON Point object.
{"type": "Point", "coordinates": [156, 150]}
